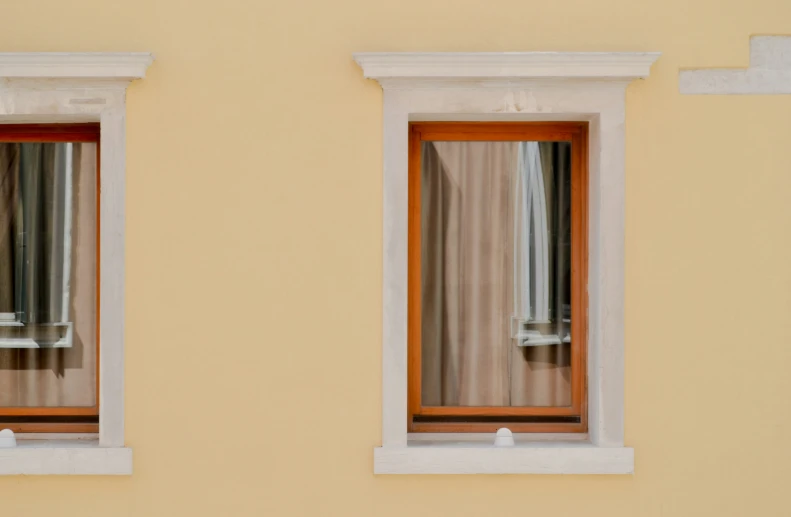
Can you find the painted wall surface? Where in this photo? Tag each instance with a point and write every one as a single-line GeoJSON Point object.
{"type": "Point", "coordinates": [254, 259]}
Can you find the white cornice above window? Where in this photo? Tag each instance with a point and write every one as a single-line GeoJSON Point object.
{"type": "Point", "coordinates": [496, 68]}
{"type": "Point", "coordinates": [74, 65]}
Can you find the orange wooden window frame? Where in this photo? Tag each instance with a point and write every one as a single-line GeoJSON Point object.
{"type": "Point", "coordinates": [577, 134]}
{"type": "Point", "coordinates": [82, 133]}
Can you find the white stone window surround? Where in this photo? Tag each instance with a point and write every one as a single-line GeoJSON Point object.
{"type": "Point", "coordinates": [510, 86]}
{"type": "Point", "coordinates": [83, 87]}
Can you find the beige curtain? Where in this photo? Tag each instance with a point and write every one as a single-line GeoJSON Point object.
{"type": "Point", "coordinates": [32, 189]}
{"type": "Point", "coordinates": [469, 357]}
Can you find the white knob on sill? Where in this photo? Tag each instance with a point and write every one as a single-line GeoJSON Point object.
{"type": "Point", "coordinates": [504, 438]}
{"type": "Point", "coordinates": [7, 439]}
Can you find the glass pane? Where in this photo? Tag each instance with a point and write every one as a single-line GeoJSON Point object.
{"type": "Point", "coordinates": [47, 274]}
{"type": "Point", "coordinates": [496, 273]}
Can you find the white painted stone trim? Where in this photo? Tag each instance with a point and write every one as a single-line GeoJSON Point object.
{"type": "Point", "coordinates": [769, 72]}
{"type": "Point", "coordinates": [505, 65]}
{"type": "Point", "coordinates": [565, 459]}
{"type": "Point", "coordinates": [61, 65]}
{"type": "Point", "coordinates": [64, 458]}
{"type": "Point", "coordinates": [449, 89]}
{"type": "Point", "coordinates": [81, 87]}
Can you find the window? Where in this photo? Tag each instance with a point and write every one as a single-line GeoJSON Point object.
{"type": "Point", "coordinates": [49, 343]}
{"type": "Point", "coordinates": [64, 114]}
{"type": "Point", "coordinates": [479, 91]}
{"type": "Point", "coordinates": [497, 269]}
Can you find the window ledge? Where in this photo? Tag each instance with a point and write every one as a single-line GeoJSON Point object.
{"type": "Point", "coordinates": [65, 457]}
{"type": "Point", "coordinates": [526, 458]}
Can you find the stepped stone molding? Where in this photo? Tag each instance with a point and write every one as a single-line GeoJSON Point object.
{"type": "Point", "coordinates": [769, 72]}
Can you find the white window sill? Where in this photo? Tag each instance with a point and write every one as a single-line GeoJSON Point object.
{"type": "Point", "coordinates": [65, 457]}
{"type": "Point", "coordinates": [474, 457]}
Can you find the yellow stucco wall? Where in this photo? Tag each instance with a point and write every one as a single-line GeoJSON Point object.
{"type": "Point", "coordinates": [254, 259]}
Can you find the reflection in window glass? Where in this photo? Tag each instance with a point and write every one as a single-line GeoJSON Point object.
{"type": "Point", "coordinates": [496, 278]}
{"type": "Point", "coordinates": [47, 274]}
